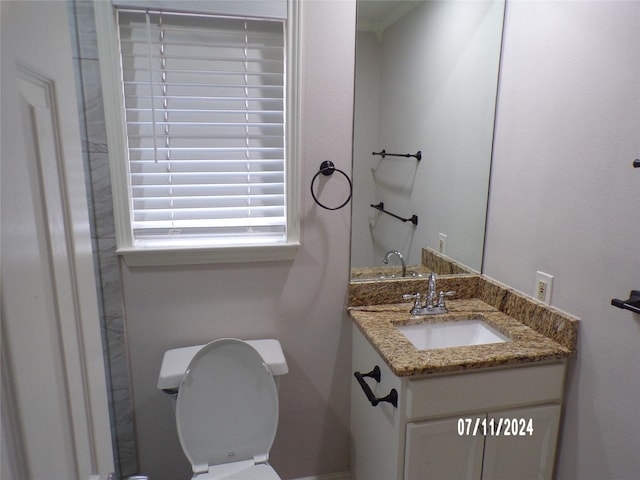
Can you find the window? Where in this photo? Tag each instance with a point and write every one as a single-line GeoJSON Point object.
{"type": "Point", "coordinates": [205, 162]}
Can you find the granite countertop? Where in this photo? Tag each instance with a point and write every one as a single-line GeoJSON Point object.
{"type": "Point", "coordinates": [550, 335]}
{"type": "Point", "coordinates": [431, 261]}
{"type": "Point", "coordinates": [388, 272]}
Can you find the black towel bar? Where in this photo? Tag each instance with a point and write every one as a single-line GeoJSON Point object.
{"type": "Point", "coordinates": [632, 303]}
{"type": "Point", "coordinates": [380, 206]}
{"type": "Point", "coordinates": [383, 153]}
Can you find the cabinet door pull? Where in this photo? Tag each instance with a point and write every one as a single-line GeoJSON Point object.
{"type": "Point", "coordinates": [392, 398]}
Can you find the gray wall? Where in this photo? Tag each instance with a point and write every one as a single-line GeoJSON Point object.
{"type": "Point", "coordinates": [302, 303]}
{"type": "Point", "coordinates": [565, 200]}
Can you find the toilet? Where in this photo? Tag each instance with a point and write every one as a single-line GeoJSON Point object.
{"type": "Point", "coordinates": [226, 405]}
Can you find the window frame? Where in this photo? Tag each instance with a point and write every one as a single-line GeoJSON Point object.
{"type": "Point", "coordinates": [110, 67]}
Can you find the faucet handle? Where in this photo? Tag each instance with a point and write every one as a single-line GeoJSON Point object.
{"type": "Point", "coordinates": [441, 302]}
{"type": "Point", "coordinates": [411, 296]}
{"type": "Point", "coordinates": [418, 303]}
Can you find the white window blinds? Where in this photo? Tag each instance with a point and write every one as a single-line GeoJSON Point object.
{"type": "Point", "coordinates": [205, 125]}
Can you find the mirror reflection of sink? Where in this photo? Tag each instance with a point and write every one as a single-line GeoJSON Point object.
{"type": "Point", "coordinates": [367, 274]}
{"type": "Point", "coordinates": [407, 276]}
{"type": "Point", "coordinates": [458, 333]}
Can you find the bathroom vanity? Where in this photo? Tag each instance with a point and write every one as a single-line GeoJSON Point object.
{"type": "Point", "coordinates": [474, 411]}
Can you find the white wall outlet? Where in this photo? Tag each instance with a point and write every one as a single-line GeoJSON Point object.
{"type": "Point", "coordinates": [442, 243]}
{"type": "Point", "coordinates": [544, 285]}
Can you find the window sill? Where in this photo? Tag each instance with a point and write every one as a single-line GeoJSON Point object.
{"type": "Point", "coordinates": [148, 257]}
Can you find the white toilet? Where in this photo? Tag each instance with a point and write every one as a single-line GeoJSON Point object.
{"type": "Point", "coordinates": [226, 405]}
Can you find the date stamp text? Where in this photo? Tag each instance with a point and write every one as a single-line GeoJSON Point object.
{"type": "Point", "coordinates": [495, 426]}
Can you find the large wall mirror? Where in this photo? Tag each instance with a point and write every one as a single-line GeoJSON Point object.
{"type": "Point", "coordinates": [426, 81]}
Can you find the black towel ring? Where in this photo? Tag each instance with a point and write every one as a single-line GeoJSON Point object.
{"type": "Point", "coordinates": [327, 168]}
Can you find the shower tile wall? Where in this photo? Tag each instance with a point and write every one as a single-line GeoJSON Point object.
{"type": "Point", "coordinates": [96, 161]}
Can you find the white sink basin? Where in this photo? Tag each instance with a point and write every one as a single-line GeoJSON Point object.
{"type": "Point", "coordinates": [458, 333]}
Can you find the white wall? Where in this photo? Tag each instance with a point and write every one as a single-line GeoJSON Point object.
{"type": "Point", "coordinates": [302, 303]}
{"type": "Point", "coordinates": [564, 199]}
{"type": "Point", "coordinates": [365, 140]}
{"type": "Point", "coordinates": [437, 96]}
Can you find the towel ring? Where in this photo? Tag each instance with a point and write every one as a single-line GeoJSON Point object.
{"type": "Point", "coordinates": [327, 168]}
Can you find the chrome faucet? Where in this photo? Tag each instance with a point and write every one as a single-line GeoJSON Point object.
{"type": "Point", "coordinates": [431, 305]}
{"type": "Point", "coordinates": [389, 254]}
{"type": "Point", "coordinates": [431, 294]}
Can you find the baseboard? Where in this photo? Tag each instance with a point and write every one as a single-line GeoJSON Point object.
{"type": "Point", "coordinates": [328, 476]}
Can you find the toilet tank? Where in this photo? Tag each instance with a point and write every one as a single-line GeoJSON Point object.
{"type": "Point", "coordinates": [175, 362]}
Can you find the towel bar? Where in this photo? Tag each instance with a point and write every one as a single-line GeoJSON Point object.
{"type": "Point", "coordinates": [632, 303]}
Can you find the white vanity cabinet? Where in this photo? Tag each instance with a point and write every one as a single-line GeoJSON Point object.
{"type": "Point", "coordinates": [454, 426]}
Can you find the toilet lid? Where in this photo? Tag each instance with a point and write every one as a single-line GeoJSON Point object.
{"type": "Point", "coordinates": [227, 405]}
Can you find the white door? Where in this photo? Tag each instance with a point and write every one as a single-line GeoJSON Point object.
{"type": "Point", "coordinates": [55, 423]}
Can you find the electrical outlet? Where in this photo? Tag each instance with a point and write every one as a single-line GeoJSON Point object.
{"type": "Point", "coordinates": [544, 285]}
{"type": "Point", "coordinates": [442, 243]}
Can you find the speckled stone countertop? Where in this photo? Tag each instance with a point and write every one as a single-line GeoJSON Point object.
{"type": "Point", "coordinates": [390, 272]}
{"type": "Point", "coordinates": [432, 261]}
{"type": "Point", "coordinates": [537, 332]}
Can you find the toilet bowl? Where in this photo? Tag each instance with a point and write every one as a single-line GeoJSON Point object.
{"type": "Point", "coordinates": [226, 406]}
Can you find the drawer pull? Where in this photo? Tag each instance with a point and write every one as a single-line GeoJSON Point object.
{"type": "Point", "coordinates": [392, 398]}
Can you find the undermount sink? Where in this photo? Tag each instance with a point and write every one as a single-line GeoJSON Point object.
{"type": "Point", "coordinates": [457, 333]}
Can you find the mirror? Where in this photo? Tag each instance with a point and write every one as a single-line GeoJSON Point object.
{"type": "Point", "coordinates": [426, 81]}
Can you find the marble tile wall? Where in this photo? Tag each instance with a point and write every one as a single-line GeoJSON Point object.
{"type": "Point", "coordinates": [108, 280]}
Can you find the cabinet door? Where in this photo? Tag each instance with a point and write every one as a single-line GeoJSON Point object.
{"type": "Point", "coordinates": [436, 451]}
{"type": "Point", "coordinates": [520, 455]}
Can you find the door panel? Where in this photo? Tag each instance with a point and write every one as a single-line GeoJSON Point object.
{"type": "Point", "coordinates": [54, 413]}
{"type": "Point", "coordinates": [524, 454]}
{"type": "Point", "coordinates": [436, 450]}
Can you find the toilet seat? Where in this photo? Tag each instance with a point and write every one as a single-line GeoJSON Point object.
{"type": "Point", "coordinates": [227, 412]}
{"type": "Point", "coordinates": [240, 471]}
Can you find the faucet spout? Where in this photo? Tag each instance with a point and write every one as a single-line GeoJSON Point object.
{"type": "Point", "coordinates": [431, 305]}
{"type": "Point", "coordinates": [431, 294]}
{"type": "Point", "coordinates": [396, 253]}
